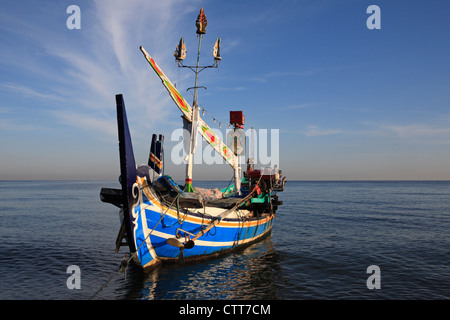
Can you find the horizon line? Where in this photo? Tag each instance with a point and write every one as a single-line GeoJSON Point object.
{"type": "Point", "coordinates": [287, 180]}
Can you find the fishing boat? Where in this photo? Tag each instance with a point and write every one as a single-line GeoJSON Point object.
{"type": "Point", "coordinates": [162, 221]}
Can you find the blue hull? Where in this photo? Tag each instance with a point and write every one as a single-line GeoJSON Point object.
{"type": "Point", "coordinates": [155, 223]}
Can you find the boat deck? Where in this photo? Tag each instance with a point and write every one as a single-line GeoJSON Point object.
{"type": "Point", "coordinates": [189, 201]}
{"type": "Point", "coordinates": [212, 208]}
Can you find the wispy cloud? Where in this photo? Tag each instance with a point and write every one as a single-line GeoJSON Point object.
{"type": "Point", "coordinates": [29, 92]}
{"type": "Point", "coordinates": [299, 106]}
{"type": "Point", "coordinates": [238, 88]}
{"type": "Point", "coordinates": [438, 133]}
{"type": "Point", "coordinates": [88, 122]}
{"type": "Point", "coordinates": [230, 44]}
{"type": "Point", "coordinates": [418, 131]}
{"type": "Point", "coordinates": [314, 131]}
{"type": "Point", "coordinates": [89, 66]}
{"type": "Point", "coordinates": [8, 125]}
{"type": "Point", "coordinates": [278, 74]}
{"type": "Point", "coordinates": [302, 73]}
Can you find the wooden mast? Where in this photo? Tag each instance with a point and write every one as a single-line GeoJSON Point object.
{"type": "Point", "coordinates": [201, 24]}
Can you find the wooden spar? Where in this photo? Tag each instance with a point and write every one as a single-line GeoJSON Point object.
{"type": "Point", "coordinates": [187, 111]}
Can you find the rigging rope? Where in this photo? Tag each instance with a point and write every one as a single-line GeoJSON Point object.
{"type": "Point", "coordinates": [124, 264]}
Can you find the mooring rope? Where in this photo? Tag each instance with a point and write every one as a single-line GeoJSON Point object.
{"type": "Point", "coordinates": [124, 264]}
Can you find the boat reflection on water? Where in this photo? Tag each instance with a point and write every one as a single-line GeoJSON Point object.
{"type": "Point", "coordinates": [252, 273]}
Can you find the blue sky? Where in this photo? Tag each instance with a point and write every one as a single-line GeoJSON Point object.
{"type": "Point", "coordinates": [350, 103]}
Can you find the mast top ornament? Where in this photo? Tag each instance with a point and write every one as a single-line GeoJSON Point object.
{"type": "Point", "coordinates": [201, 22]}
{"type": "Point", "coordinates": [180, 51]}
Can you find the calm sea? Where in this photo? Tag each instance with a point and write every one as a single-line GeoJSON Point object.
{"type": "Point", "coordinates": [325, 237]}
